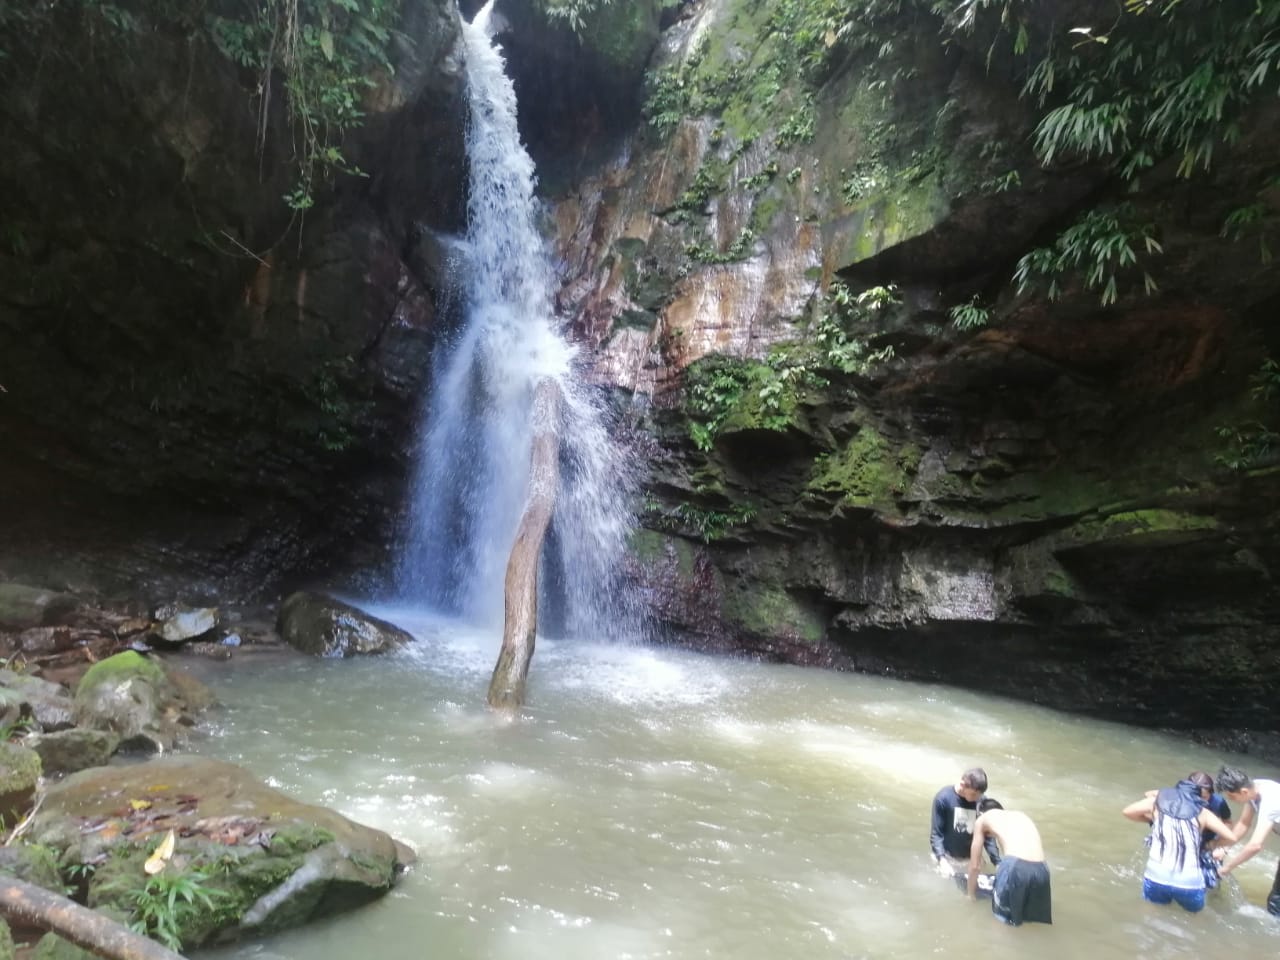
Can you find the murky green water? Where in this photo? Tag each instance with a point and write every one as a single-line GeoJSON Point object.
{"type": "Point", "coordinates": [657, 804]}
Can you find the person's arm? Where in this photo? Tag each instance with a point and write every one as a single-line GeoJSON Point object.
{"type": "Point", "coordinates": [1211, 821]}
{"type": "Point", "coordinates": [1141, 810]}
{"type": "Point", "coordinates": [1241, 826]}
{"type": "Point", "coordinates": [975, 854]}
{"type": "Point", "coordinates": [1250, 849]}
{"type": "Point", "coordinates": [938, 829]}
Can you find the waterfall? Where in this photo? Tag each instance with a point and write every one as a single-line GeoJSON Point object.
{"type": "Point", "coordinates": [473, 458]}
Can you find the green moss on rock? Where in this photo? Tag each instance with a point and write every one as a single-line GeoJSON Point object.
{"type": "Point", "coordinates": [869, 471]}
{"type": "Point", "coordinates": [121, 668]}
{"type": "Point", "coordinates": [768, 610]}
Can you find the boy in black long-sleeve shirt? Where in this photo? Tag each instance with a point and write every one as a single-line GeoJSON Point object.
{"type": "Point", "coordinates": [955, 808]}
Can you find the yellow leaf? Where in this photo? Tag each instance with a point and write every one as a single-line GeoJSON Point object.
{"type": "Point", "coordinates": [155, 863]}
{"type": "Point", "coordinates": [140, 804]}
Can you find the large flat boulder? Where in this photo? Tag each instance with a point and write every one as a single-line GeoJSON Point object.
{"type": "Point", "coordinates": [268, 861]}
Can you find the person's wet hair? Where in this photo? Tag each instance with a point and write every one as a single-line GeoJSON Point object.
{"type": "Point", "coordinates": [1201, 780]}
{"type": "Point", "coordinates": [1232, 779]}
{"type": "Point", "coordinates": [989, 803]}
{"type": "Point", "coordinates": [975, 779]}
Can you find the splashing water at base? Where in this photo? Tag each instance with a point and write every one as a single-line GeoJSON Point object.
{"type": "Point", "coordinates": [474, 460]}
{"type": "Point", "coordinates": [656, 804]}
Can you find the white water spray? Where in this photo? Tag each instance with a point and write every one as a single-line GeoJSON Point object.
{"type": "Point", "coordinates": [473, 466]}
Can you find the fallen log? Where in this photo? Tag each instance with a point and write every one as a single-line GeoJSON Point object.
{"type": "Point", "coordinates": [34, 906]}
{"type": "Point", "coordinates": [506, 688]}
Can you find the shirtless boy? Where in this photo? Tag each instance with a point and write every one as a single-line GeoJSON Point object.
{"type": "Point", "coordinates": [1021, 890]}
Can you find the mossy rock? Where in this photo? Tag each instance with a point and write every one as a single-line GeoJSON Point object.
{"type": "Point", "coordinates": [53, 947]}
{"type": "Point", "coordinates": [32, 862]}
{"type": "Point", "coordinates": [768, 610]}
{"type": "Point", "coordinates": [6, 941]}
{"type": "Point", "coordinates": [22, 606]}
{"type": "Point", "coordinates": [20, 771]}
{"type": "Point", "coordinates": [267, 861]}
{"type": "Point", "coordinates": [120, 669]}
{"type": "Point", "coordinates": [69, 751]}
{"type": "Point", "coordinates": [125, 694]}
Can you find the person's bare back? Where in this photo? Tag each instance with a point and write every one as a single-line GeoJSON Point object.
{"type": "Point", "coordinates": [1015, 832]}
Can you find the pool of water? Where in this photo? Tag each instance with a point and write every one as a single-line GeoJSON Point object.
{"type": "Point", "coordinates": [658, 804]}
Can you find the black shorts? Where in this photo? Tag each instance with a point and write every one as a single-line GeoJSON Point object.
{"type": "Point", "coordinates": [1021, 892]}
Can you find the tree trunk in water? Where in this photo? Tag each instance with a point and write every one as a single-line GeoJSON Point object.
{"type": "Point", "coordinates": [95, 932]}
{"type": "Point", "coordinates": [506, 689]}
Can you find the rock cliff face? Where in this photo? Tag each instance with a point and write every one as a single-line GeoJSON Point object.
{"type": "Point", "coordinates": [1050, 504]}
{"type": "Point", "coordinates": [200, 382]}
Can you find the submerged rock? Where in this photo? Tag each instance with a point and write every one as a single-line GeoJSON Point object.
{"type": "Point", "coordinates": [325, 627]}
{"type": "Point", "coordinates": [269, 861]}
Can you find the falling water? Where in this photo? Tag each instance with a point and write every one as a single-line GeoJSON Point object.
{"type": "Point", "coordinates": [474, 458]}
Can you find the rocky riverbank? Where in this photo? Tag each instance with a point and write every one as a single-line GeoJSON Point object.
{"type": "Point", "coordinates": [100, 801]}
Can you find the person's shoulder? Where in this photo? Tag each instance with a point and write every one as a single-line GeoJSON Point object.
{"type": "Point", "coordinates": [1219, 807]}
{"type": "Point", "coordinates": [945, 793]}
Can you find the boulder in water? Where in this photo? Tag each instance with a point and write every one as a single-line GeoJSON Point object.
{"type": "Point", "coordinates": [271, 861]}
{"type": "Point", "coordinates": [187, 623]}
{"type": "Point", "coordinates": [325, 627]}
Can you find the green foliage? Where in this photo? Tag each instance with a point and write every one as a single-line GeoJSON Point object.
{"type": "Point", "coordinates": [841, 312]}
{"type": "Point", "coordinates": [1160, 78]}
{"type": "Point", "coordinates": [14, 729]}
{"type": "Point", "coordinates": [967, 316]}
{"type": "Point", "coordinates": [711, 525]}
{"type": "Point", "coordinates": [738, 250]}
{"type": "Point", "coordinates": [167, 904]}
{"type": "Point", "coordinates": [799, 125]}
{"type": "Point", "coordinates": [327, 52]}
{"type": "Point", "coordinates": [1254, 442]}
{"type": "Point", "coordinates": [1102, 244]}
{"type": "Point", "coordinates": [712, 390]}
{"type": "Point", "coordinates": [575, 13]}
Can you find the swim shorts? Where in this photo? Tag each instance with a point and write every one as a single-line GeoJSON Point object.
{"type": "Point", "coordinates": [1022, 892]}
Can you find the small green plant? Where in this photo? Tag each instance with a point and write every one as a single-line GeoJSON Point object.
{"type": "Point", "coordinates": [966, 316]}
{"type": "Point", "coordinates": [14, 729]}
{"type": "Point", "coordinates": [712, 525]}
{"type": "Point", "coordinates": [166, 904]}
{"type": "Point", "coordinates": [1254, 442]}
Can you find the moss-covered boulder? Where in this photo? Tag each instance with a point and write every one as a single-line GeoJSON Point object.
{"type": "Point", "coordinates": [6, 941]}
{"type": "Point", "coordinates": [325, 627]}
{"type": "Point", "coordinates": [135, 698]}
{"type": "Point", "coordinates": [33, 863]}
{"type": "Point", "coordinates": [68, 751]}
{"type": "Point", "coordinates": [19, 773]}
{"type": "Point", "coordinates": [265, 860]}
{"type": "Point", "coordinates": [53, 947]}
